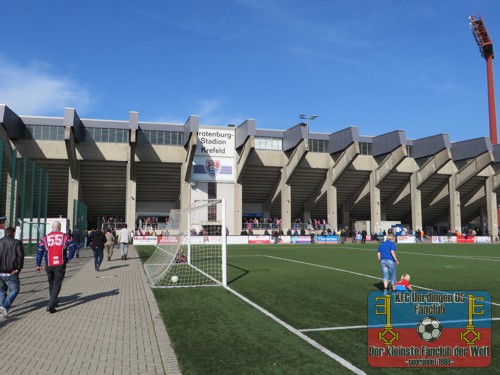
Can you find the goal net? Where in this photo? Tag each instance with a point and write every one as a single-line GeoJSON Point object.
{"type": "Point", "coordinates": [193, 250]}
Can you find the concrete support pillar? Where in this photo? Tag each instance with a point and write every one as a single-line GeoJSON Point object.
{"type": "Point", "coordinates": [233, 194]}
{"type": "Point", "coordinates": [416, 203]}
{"type": "Point", "coordinates": [455, 211]}
{"type": "Point", "coordinates": [375, 205]}
{"type": "Point", "coordinates": [238, 210]}
{"type": "Point", "coordinates": [286, 206]}
{"type": "Point", "coordinates": [307, 214]}
{"type": "Point", "coordinates": [130, 206]}
{"type": "Point", "coordinates": [73, 194]}
{"type": "Point", "coordinates": [331, 206]}
{"type": "Point", "coordinates": [491, 209]}
{"type": "Point", "coordinates": [346, 219]}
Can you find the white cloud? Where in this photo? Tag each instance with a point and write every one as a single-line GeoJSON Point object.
{"type": "Point", "coordinates": [34, 90]}
{"type": "Point", "coordinates": [211, 111]}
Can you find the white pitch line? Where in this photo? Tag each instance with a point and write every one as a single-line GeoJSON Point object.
{"type": "Point", "coordinates": [352, 272]}
{"type": "Point", "coordinates": [324, 329]}
{"type": "Point", "coordinates": [297, 332]}
{"type": "Point", "coordinates": [468, 257]}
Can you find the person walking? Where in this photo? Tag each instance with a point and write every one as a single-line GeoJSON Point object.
{"type": "Point", "coordinates": [110, 243]}
{"type": "Point", "coordinates": [364, 233]}
{"type": "Point", "coordinates": [124, 240]}
{"type": "Point", "coordinates": [11, 264]}
{"type": "Point", "coordinates": [98, 242]}
{"type": "Point", "coordinates": [77, 240]}
{"type": "Point", "coordinates": [54, 248]}
{"type": "Point", "coordinates": [386, 254]}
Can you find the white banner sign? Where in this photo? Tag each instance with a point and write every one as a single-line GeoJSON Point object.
{"type": "Point", "coordinates": [215, 143]}
{"type": "Point", "coordinates": [214, 157]}
{"type": "Point", "coordinates": [213, 169]}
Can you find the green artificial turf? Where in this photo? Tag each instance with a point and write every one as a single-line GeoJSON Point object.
{"type": "Point", "coordinates": [308, 287]}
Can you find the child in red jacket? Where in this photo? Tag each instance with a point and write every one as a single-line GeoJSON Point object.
{"type": "Point", "coordinates": [404, 284]}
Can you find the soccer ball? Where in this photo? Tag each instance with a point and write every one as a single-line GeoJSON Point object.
{"type": "Point", "coordinates": [174, 279]}
{"type": "Point", "coordinates": [429, 329]}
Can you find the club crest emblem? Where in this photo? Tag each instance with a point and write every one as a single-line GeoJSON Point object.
{"type": "Point", "coordinates": [212, 167]}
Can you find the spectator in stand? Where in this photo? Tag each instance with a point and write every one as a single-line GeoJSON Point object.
{"type": "Point", "coordinates": [313, 236]}
{"type": "Point", "coordinates": [343, 236]}
{"type": "Point", "coordinates": [276, 236]}
{"type": "Point", "coordinates": [418, 236]}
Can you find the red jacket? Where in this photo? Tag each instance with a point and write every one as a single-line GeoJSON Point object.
{"type": "Point", "coordinates": [54, 247]}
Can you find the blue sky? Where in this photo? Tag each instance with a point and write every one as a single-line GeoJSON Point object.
{"type": "Point", "coordinates": [380, 65]}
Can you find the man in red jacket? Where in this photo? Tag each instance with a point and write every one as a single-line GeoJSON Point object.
{"type": "Point", "coordinates": [54, 247]}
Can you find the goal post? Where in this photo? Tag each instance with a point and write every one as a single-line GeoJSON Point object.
{"type": "Point", "coordinates": [194, 249]}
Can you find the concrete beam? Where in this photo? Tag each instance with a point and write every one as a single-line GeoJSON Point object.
{"type": "Point", "coordinates": [429, 169]}
{"type": "Point", "coordinates": [495, 182]}
{"type": "Point", "coordinates": [476, 194]}
{"type": "Point", "coordinates": [334, 172]}
{"type": "Point", "coordinates": [69, 142]}
{"type": "Point", "coordinates": [275, 192]}
{"type": "Point", "coordinates": [433, 165]}
{"type": "Point", "coordinates": [298, 154]}
{"type": "Point", "coordinates": [400, 194]}
{"type": "Point", "coordinates": [345, 160]}
{"type": "Point", "coordinates": [191, 151]}
{"type": "Point", "coordinates": [473, 168]}
{"type": "Point", "coordinates": [388, 164]}
{"type": "Point", "coordinates": [287, 172]}
{"type": "Point", "coordinates": [439, 194]}
{"type": "Point", "coordinates": [491, 208]}
{"type": "Point", "coordinates": [132, 167]}
{"type": "Point", "coordinates": [246, 153]}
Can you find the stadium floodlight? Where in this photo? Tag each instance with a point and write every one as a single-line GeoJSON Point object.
{"type": "Point", "coordinates": [307, 118]}
{"type": "Point", "coordinates": [485, 44]}
{"type": "Point", "coordinates": [482, 37]}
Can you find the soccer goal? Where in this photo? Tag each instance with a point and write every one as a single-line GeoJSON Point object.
{"type": "Point", "coordinates": [193, 250]}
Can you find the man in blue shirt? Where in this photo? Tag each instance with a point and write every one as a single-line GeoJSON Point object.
{"type": "Point", "coordinates": [387, 258]}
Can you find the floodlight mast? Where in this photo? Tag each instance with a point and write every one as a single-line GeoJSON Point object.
{"type": "Point", "coordinates": [486, 48]}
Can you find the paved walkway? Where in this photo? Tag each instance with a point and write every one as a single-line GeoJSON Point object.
{"type": "Point", "coordinates": [107, 323]}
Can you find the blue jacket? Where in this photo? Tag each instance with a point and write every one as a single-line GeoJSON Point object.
{"type": "Point", "coordinates": [385, 250]}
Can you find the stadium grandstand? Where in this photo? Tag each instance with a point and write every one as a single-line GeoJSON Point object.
{"type": "Point", "coordinates": [130, 170]}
